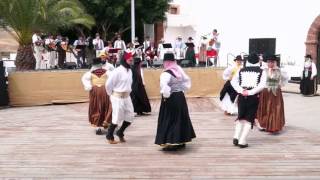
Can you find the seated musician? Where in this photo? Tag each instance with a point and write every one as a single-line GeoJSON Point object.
{"type": "Point", "coordinates": [50, 45]}
{"type": "Point", "coordinates": [149, 54]}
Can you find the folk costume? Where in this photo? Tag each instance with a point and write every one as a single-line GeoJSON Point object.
{"type": "Point", "coordinates": [228, 95]}
{"type": "Point", "coordinates": [100, 110]}
{"type": "Point", "coordinates": [308, 83]}
{"type": "Point", "coordinates": [138, 94]}
{"type": "Point", "coordinates": [248, 82]}
{"type": "Point", "coordinates": [190, 53]}
{"type": "Point", "coordinates": [174, 125]}
{"type": "Point", "coordinates": [270, 113]}
{"type": "Point", "coordinates": [118, 87]}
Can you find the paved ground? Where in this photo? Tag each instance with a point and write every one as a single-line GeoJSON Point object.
{"type": "Point", "coordinates": [56, 142]}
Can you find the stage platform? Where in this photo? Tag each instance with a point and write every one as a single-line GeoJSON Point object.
{"type": "Point", "coordinates": [64, 86]}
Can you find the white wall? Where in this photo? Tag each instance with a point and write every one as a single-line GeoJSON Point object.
{"type": "Point", "coordinates": [239, 20]}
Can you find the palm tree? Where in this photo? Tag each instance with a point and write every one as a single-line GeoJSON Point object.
{"type": "Point", "coordinates": [21, 18]}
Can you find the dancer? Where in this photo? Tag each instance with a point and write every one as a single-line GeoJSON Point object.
{"type": "Point", "coordinates": [174, 124]}
{"type": "Point", "coordinates": [118, 87]}
{"type": "Point", "coordinates": [248, 83]}
{"type": "Point", "coordinates": [138, 94]}
{"type": "Point", "coordinates": [100, 111]}
{"type": "Point", "coordinates": [270, 111]}
{"type": "Point", "coordinates": [228, 94]}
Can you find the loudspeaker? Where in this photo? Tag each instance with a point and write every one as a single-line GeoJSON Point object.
{"type": "Point", "coordinates": [70, 65]}
{"type": "Point", "coordinates": [262, 45]}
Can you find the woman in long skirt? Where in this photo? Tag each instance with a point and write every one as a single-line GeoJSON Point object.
{"type": "Point", "coordinates": [228, 94]}
{"type": "Point", "coordinates": [174, 124]}
{"type": "Point", "coordinates": [270, 112]}
{"type": "Point", "coordinates": [138, 94]}
{"type": "Point", "coordinates": [100, 111]}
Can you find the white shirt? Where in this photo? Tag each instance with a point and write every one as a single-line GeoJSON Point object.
{"type": "Point", "coordinates": [146, 45]}
{"type": "Point", "coordinates": [120, 80]}
{"type": "Point", "coordinates": [86, 78]}
{"type": "Point", "coordinates": [98, 43]}
{"type": "Point", "coordinates": [119, 44]}
{"type": "Point", "coordinates": [165, 77]}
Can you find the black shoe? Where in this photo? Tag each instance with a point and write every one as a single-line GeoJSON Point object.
{"type": "Point", "coordinates": [262, 129]}
{"type": "Point", "coordinates": [170, 148]}
{"type": "Point", "coordinates": [235, 141]}
{"type": "Point", "coordinates": [99, 132]}
{"type": "Point", "coordinates": [243, 146]}
{"type": "Point", "coordinates": [181, 146]}
{"type": "Point", "coordinates": [141, 114]}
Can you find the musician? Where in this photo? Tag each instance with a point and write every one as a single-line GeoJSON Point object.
{"type": "Point", "coordinates": [214, 46]}
{"type": "Point", "coordinates": [179, 49]}
{"type": "Point", "coordinates": [51, 53]}
{"type": "Point", "coordinates": [161, 49]}
{"type": "Point", "coordinates": [136, 42]}
{"type": "Point", "coordinates": [119, 43]}
{"type": "Point", "coordinates": [203, 50]}
{"type": "Point", "coordinates": [81, 54]}
{"type": "Point", "coordinates": [98, 44]}
{"type": "Point", "coordinates": [61, 45]}
{"type": "Point", "coordinates": [148, 51]}
{"type": "Point", "coordinates": [37, 48]}
{"type": "Point", "coordinates": [190, 53]}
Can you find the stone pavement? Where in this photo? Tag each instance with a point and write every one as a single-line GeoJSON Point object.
{"type": "Point", "coordinates": [56, 142]}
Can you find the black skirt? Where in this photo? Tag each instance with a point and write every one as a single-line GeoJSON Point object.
{"type": "Point", "coordinates": [138, 94]}
{"type": "Point", "coordinates": [308, 86]}
{"type": "Point", "coordinates": [174, 124]}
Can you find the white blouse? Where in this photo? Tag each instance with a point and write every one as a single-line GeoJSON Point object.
{"type": "Point", "coordinates": [169, 84]}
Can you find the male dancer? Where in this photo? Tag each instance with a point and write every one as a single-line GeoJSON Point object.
{"type": "Point", "coordinates": [118, 87]}
{"type": "Point", "coordinates": [248, 82]}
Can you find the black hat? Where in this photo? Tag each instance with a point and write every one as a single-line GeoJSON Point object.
{"type": "Point", "coordinates": [308, 56]}
{"type": "Point", "coordinates": [168, 57]}
{"type": "Point", "coordinates": [190, 38]}
{"type": "Point", "coordinates": [270, 57]}
{"type": "Point", "coordinates": [238, 58]}
{"type": "Point", "coordinates": [253, 58]}
{"type": "Point", "coordinates": [96, 61]}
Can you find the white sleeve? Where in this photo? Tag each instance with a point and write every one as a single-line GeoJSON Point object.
{"type": "Point", "coordinates": [314, 69]}
{"type": "Point", "coordinates": [102, 43]}
{"type": "Point", "coordinates": [261, 85]}
{"type": "Point", "coordinates": [124, 45]}
{"type": "Point", "coordinates": [34, 39]}
{"type": "Point", "coordinates": [110, 83]}
{"type": "Point", "coordinates": [94, 42]}
{"type": "Point", "coordinates": [227, 73]}
{"type": "Point", "coordinates": [284, 78]}
{"type": "Point", "coordinates": [86, 81]}
{"type": "Point", "coordinates": [164, 88]}
{"type": "Point", "coordinates": [186, 79]}
{"type": "Point", "coordinates": [75, 43]}
{"type": "Point", "coordinates": [235, 82]}
{"type": "Point", "coordinates": [47, 41]}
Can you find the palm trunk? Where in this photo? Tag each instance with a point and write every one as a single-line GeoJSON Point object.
{"type": "Point", "coordinates": [25, 59]}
